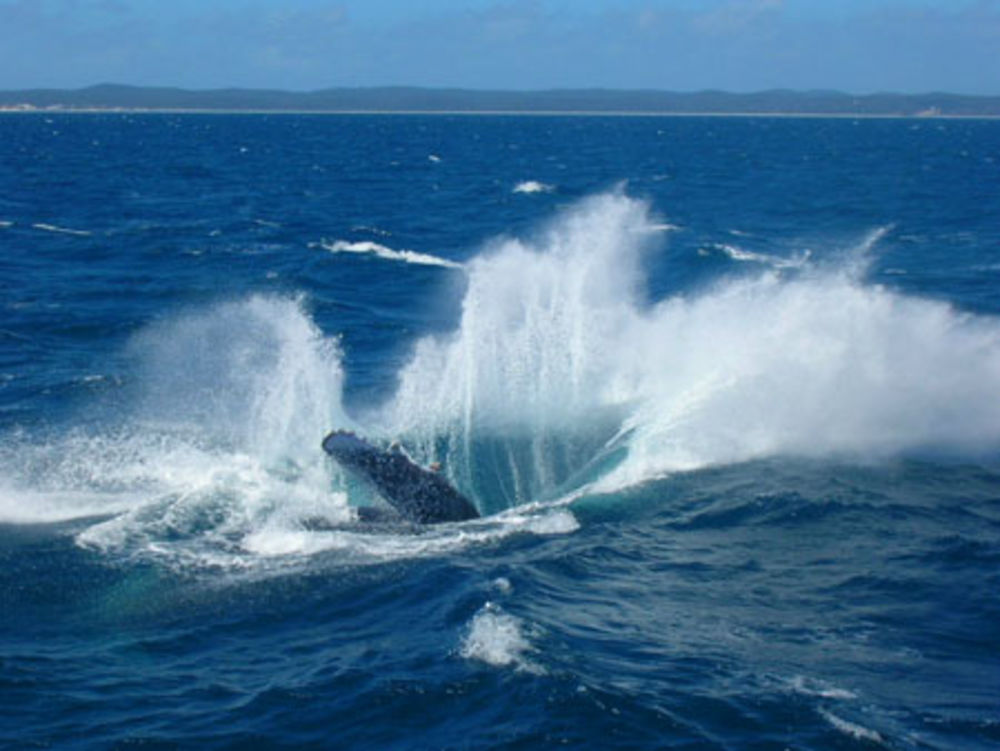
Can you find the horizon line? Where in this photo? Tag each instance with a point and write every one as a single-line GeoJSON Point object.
{"type": "Point", "coordinates": [489, 90]}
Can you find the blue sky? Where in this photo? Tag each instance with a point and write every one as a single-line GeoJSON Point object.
{"type": "Point", "coordinates": [739, 45]}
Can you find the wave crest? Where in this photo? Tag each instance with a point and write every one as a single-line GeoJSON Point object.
{"type": "Point", "coordinates": [367, 247]}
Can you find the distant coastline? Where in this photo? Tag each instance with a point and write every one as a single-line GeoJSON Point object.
{"type": "Point", "coordinates": [411, 100]}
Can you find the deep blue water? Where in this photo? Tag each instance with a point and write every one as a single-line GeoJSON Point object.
{"type": "Point", "coordinates": [725, 389]}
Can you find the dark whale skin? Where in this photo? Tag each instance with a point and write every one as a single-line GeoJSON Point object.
{"type": "Point", "coordinates": [417, 494]}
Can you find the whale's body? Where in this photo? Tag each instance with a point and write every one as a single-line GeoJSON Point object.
{"type": "Point", "coordinates": [417, 494]}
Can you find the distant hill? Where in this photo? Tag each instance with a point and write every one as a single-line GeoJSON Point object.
{"type": "Point", "coordinates": [411, 99]}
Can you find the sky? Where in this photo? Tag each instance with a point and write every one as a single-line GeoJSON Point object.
{"type": "Point", "coordinates": [858, 46]}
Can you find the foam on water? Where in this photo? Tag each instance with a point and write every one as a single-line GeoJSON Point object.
{"type": "Point", "coordinates": [747, 256]}
{"type": "Point", "coordinates": [215, 458]}
{"type": "Point", "coordinates": [497, 639]}
{"type": "Point", "coordinates": [813, 687]}
{"type": "Point", "coordinates": [381, 251]}
{"type": "Point", "coordinates": [559, 377]}
{"type": "Point", "coordinates": [61, 230]}
{"type": "Point", "coordinates": [533, 186]}
{"type": "Point", "coordinates": [219, 438]}
{"type": "Point", "coordinates": [852, 729]}
{"type": "Point", "coordinates": [360, 544]}
{"type": "Point", "coordinates": [663, 227]}
{"type": "Point", "coordinates": [25, 506]}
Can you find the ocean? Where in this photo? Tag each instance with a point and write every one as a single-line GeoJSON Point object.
{"type": "Point", "coordinates": [725, 391]}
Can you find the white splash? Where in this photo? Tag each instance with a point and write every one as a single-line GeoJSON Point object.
{"type": "Point", "coordinates": [219, 438]}
{"type": "Point", "coordinates": [536, 321]}
{"type": "Point", "coordinates": [388, 254]}
{"type": "Point", "coordinates": [663, 227]}
{"type": "Point", "coordinates": [26, 506]}
{"type": "Point", "coordinates": [558, 376]}
{"type": "Point", "coordinates": [215, 460]}
{"type": "Point", "coordinates": [498, 639]}
{"type": "Point", "coordinates": [533, 186]}
{"type": "Point", "coordinates": [556, 354]}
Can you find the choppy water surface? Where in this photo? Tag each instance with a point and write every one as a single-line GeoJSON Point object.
{"type": "Point", "coordinates": [725, 391]}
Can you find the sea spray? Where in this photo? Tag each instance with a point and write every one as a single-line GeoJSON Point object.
{"type": "Point", "coordinates": [249, 387]}
{"type": "Point", "coordinates": [560, 375]}
{"type": "Point", "coordinates": [255, 374]}
{"type": "Point", "coordinates": [557, 359]}
{"type": "Point", "coordinates": [817, 365]}
{"type": "Point", "coordinates": [219, 436]}
{"type": "Point", "coordinates": [524, 393]}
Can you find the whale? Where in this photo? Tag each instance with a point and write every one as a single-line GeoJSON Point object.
{"type": "Point", "coordinates": [417, 494]}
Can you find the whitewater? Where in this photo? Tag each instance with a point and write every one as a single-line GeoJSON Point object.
{"type": "Point", "coordinates": [559, 380]}
{"type": "Point", "coordinates": [736, 460]}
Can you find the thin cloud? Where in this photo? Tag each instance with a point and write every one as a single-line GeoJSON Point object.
{"type": "Point", "coordinates": [737, 16]}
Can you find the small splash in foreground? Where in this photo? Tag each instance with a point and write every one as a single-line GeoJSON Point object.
{"type": "Point", "coordinates": [533, 186]}
{"type": "Point", "coordinates": [498, 639]}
